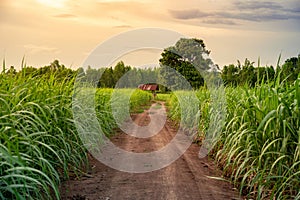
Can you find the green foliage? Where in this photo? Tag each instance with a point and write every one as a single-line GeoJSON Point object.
{"type": "Point", "coordinates": [291, 69]}
{"type": "Point", "coordinates": [247, 74]}
{"type": "Point", "coordinates": [188, 58]}
{"type": "Point", "coordinates": [259, 147]}
{"type": "Point", "coordinates": [120, 76]}
{"type": "Point", "coordinates": [39, 144]}
{"type": "Point", "coordinates": [139, 98]}
{"type": "Point", "coordinates": [120, 70]}
{"type": "Point", "coordinates": [105, 116]}
{"type": "Point", "coordinates": [162, 97]}
{"type": "Point", "coordinates": [183, 109]}
{"type": "Point", "coordinates": [135, 77]}
{"type": "Point", "coordinates": [204, 110]}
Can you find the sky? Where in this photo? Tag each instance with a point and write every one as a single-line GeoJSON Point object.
{"type": "Point", "coordinates": [69, 30]}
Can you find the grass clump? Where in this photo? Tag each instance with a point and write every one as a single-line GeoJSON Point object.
{"type": "Point", "coordinates": [39, 144]}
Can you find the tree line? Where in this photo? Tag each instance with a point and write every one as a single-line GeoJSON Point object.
{"type": "Point", "coordinates": [188, 57]}
{"type": "Point", "coordinates": [246, 73]}
{"type": "Point", "coordinates": [55, 69]}
{"type": "Point", "coordinates": [121, 76]}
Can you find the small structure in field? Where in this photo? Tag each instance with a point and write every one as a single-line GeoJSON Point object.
{"type": "Point", "coordinates": [149, 87]}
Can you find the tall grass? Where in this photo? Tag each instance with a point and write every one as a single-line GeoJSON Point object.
{"type": "Point", "coordinates": [175, 112]}
{"type": "Point", "coordinates": [134, 97]}
{"type": "Point", "coordinates": [259, 146]}
{"type": "Point", "coordinates": [40, 145]}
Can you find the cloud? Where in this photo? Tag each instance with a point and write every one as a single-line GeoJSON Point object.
{"type": "Point", "coordinates": [295, 9]}
{"type": "Point", "coordinates": [255, 17]}
{"type": "Point", "coordinates": [264, 11]}
{"type": "Point", "coordinates": [254, 5]}
{"type": "Point", "coordinates": [65, 15]}
{"type": "Point", "coordinates": [255, 11]}
{"type": "Point", "coordinates": [207, 17]}
{"type": "Point", "coordinates": [219, 21]}
{"type": "Point", "coordinates": [189, 14]}
{"type": "Point", "coordinates": [33, 49]}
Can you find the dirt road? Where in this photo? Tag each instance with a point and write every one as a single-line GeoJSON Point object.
{"type": "Point", "coordinates": [187, 178]}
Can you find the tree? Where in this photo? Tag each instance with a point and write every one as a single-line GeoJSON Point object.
{"type": "Point", "coordinates": [92, 75]}
{"type": "Point", "coordinates": [188, 57]}
{"type": "Point", "coordinates": [107, 78]}
{"type": "Point", "coordinates": [118, 73]}
{"type": "Point", "coordinates": [230, 74]}
{"type": "Point", "coordinates": [291, 69]}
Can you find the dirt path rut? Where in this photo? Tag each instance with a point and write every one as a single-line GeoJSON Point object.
{"type": "Point", "coordinates": [187, 178]}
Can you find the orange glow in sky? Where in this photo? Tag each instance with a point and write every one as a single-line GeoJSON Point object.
{"type": "Point", "coordinates": [44, 30]}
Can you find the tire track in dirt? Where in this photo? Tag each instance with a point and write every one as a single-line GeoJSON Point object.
{"type": "Point", "coordinates": [186, 178]}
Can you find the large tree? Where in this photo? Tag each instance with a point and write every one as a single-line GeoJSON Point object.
{"type": "Point", "coordinates": [189, 57]}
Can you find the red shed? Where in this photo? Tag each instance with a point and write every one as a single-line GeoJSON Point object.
{"type": "Point", "coordinates": [150, 87]}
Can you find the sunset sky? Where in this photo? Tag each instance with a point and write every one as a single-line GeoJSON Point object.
{"type": "Point", "coordinates": [68, 30]}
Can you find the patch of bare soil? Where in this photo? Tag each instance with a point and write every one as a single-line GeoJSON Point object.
{"type": "Point", "coordinates": [187, 178]}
